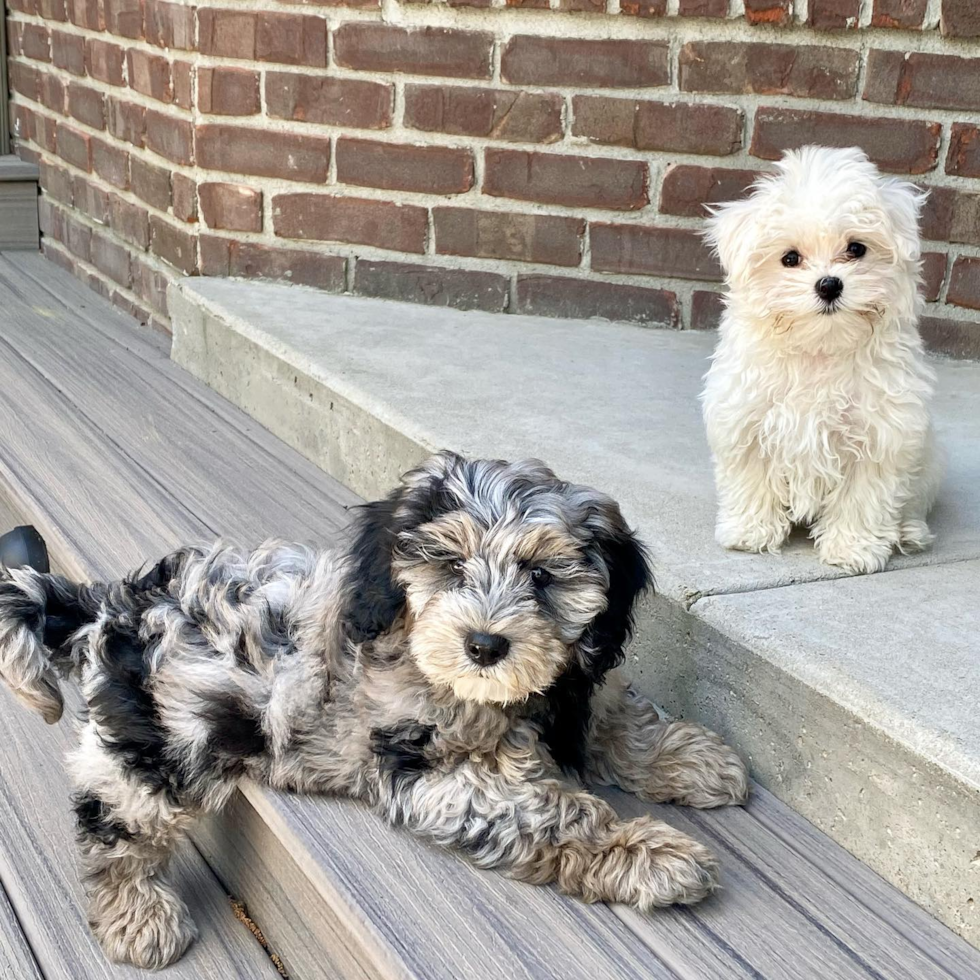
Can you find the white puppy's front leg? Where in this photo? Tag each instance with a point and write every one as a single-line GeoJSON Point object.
{"type": "Point", "coordinates": [859, 526]}
{"type": "Point", "coordinates": [751, 516]}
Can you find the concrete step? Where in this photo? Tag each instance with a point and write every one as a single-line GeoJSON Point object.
{"type": "Point", "coordinates": [117, 454]}
{"type": "Point", "coordinates": [854, 698]}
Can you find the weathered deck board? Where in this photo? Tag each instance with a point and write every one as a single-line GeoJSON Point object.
{"type": "Point", "coordinates": [16, 959]}
{"type": "Point", "coordinates": [794, 906]}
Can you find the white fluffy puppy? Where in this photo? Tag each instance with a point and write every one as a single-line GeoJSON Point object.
{"type": "Point", "coordinates": [816, 402]}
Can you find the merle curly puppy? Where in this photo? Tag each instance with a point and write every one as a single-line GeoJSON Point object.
{"type": "Point", "coordinates": [452, 667]}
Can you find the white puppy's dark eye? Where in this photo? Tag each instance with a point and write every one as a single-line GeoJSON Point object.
{"type": "Point", "coordinates": [792, 259]}
{"type": "Point", "coordinates": [856, 250]}
{"type": "Point", "coordinates": [540, 577]}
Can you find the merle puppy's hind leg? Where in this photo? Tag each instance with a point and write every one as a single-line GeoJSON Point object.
{"type": "Point", "coordinates": [127, 831]}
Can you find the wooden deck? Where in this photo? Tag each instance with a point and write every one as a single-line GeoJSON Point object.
{"type": "Point", "coordinates": [116, 455]}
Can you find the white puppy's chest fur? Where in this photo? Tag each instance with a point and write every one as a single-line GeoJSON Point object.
{"type": "Point", "coordinates": [811, 420]}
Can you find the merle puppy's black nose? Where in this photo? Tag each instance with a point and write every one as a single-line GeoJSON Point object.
{"type": "Point", "coordinates": [829, 288]}
{"type": "Point", "coordinates": [486, 649]}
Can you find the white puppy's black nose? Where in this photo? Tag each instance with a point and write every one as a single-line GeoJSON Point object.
{"type": "Point", "coordinates": [829, 288]}
{"type": "Point", "coordinates": [486, 649]}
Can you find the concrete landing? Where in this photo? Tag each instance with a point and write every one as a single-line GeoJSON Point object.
{"type": "Point", "coordinates": [853, 698]}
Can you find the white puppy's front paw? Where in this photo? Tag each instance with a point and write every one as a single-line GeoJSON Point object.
{"type": "Point", "coordinates": [915, 536]}
{"type": "Point", "coordinates": [753, 533]}
{"type": "Point", "coordinates": [858, 553]}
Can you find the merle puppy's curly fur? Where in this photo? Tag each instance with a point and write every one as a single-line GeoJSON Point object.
{"type": "Point", "coordinates": [452, 667]}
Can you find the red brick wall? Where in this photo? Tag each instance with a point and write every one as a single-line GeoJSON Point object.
{"type": "Point", "coordinates": [550, 160]}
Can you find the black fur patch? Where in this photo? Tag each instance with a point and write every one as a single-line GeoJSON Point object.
{"type": "Point", "coordinates": [125, 710]}
{"type": "Point", "coordinates": [401, 751]}
{"type": "Point", "coordinates": [94, 820]}
{"type": "Point", "coordinates": [566, 718]}
{"type": "Point", "coordinates": [235, 728]}
{"type": "Point", "coordinates": [374, 598]}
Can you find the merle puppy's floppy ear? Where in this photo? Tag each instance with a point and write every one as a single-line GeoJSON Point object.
{"type": "Point", "coordinates": [626, 560]}
{"type": "Point", "coordinates": [374, 599]}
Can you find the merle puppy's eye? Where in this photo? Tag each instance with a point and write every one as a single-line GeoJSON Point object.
{"type": "Point", "coordinates": [458, 565]}
{"type": "Point", "coordinates": [856, 250]}
{"type": "Point", "coordinates": [540, 577]}
{"type": "Point", "coordinates": [792, 259]}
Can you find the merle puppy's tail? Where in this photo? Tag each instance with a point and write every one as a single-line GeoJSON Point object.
{"type": "Point", "coordinates": [39, 615]}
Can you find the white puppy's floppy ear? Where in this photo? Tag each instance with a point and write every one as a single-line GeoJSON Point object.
{"type": "Point", "coordinates": [902, 203]}
{"type": "Point", "coordinates": [730, 230]}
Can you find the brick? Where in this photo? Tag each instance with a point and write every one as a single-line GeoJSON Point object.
{"type": "Point", "coordinates": [23, 6]}
{"type": "Point", "coordinates": [169, 137]}
{"type": "Point", "coordinates": [104, 61]}
{"type": "Point", "coordinates": [87, 13]}
{"type": "Point", "coordinates": [22, 120]}
{"type": "Point", "coordinates": [960, 18]}
{"type": "Point", "coordinates": [184, 192]}
{"type": "Point", "coordinates": [686, 189]}
{"type": "Point", "coordinates": [288, 39]}
{"type": "Point", "coordinates": [150, 75]}
{"type": "Point", "coordinates": [183, 76]}
{"type": "Point", "coordinates": [228, 91]}
{"type": "Point", "coordinates": [57, 256]}
{"type": "Point", "coordinates": [78, 238]}
{"type": "Point", "coordinates": [707, 308]}
{"type": "Point", "coordinates": [900, 14]}
{"type": "Point", "coordinates": [777, 12]}
{"type": "Point", "coordinates": [806, 71]}
{"type": "Point", "coordinates": [422, 51]}
{"type": "Point", "coordinates": [111, 163]}
{"type": "Point", "coordinates": [90, 199]}
{"type": "Point", "coordinates": [35, 42]}
{"type": "Point", "coordinates": [572, 181]}
{"type": "Point", "coordinates": [241, 150]}
{"type": "Point", "coordinates": [393, 166]}
{"type": "Point", "coordinates": [168, 25]}
{"type": "Point", "coordinates": [963, 158]}
{"type": "Point", "coordinates": [86, 105]}
{"type": "Point", "coordinates": [462, 289]}
{"type": "Point", "coordinates": [325, 218]}
{"type": "Point", "coordinates": [227, 257]}
{"type": "Point", "coordinates": [561, 296]}
{"type": "Point", "coordinates": [628, 7]}
{"type": "Point", "coordinates": [529, 4]}
{"type": "Point", "coordinates": [124, 17]}
{"type": "Point", "coordinates": [51, 92]}
{"type": "Point", "coordinates": [703, 8]}
{"type": "Point", "coordinates": [585, 63]}
{"type": "Point", "coordinates": [933, 275]}
{"type": "Point", "coordinates": [52, 10]}
{"type": "Point", "coordinates": [641, 8]}
{"type": "Point", "coordinates": [231, 207]}
{"type": "Point", "coordinates": [954, 338]}
{"type": "Point", "coordinates": [833, 15]}
{"type": "Point", "coordinates": [359, 4]}
{"type": "Point", "coordinates": [907, 146]}
{"type": "Point", "coordinates": [23, 80]}
{"type": "Point", "coordinates": [329, 100]}
{"type": "Point", "coordinates": [130, 307]}
{"type": "Point", "coordinates": [130, 222]}
{"type": "Point", "coordinates": [500, 114]}
{"type": "Point", "coordinates": [671, 252]}
{"type": "Point", "coordinates": [50, 220]}
{"type": "Point", "coordinates": [951, 216]}
{"type": "Point", "coordinates": [964, 283]}
{"type": "Point", "coordinates": [672, 126]}
{"type": "Point", "coordinates": [45, 132]}
{"type": "Point", "coordinates": [544, 238]}
{"type": "Point", "coordinates": [150, 285]}
{"type": "Point", "coordinates": [111, 259]}
{"type": "Point", "coordinates": [173, 244]}
{"type": "Point", "coordinates": [150, 183]}
{"type": "Point", "coordinates": [75, 147]}
{"type": "Point", "coordinates": [126, 120]}
{"type": "Point", "coordinates": [56, 182]}
{"type": "Point", "coordinates": [931, 81]}
{"type": "Point", "coordinates": [68, 52]}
